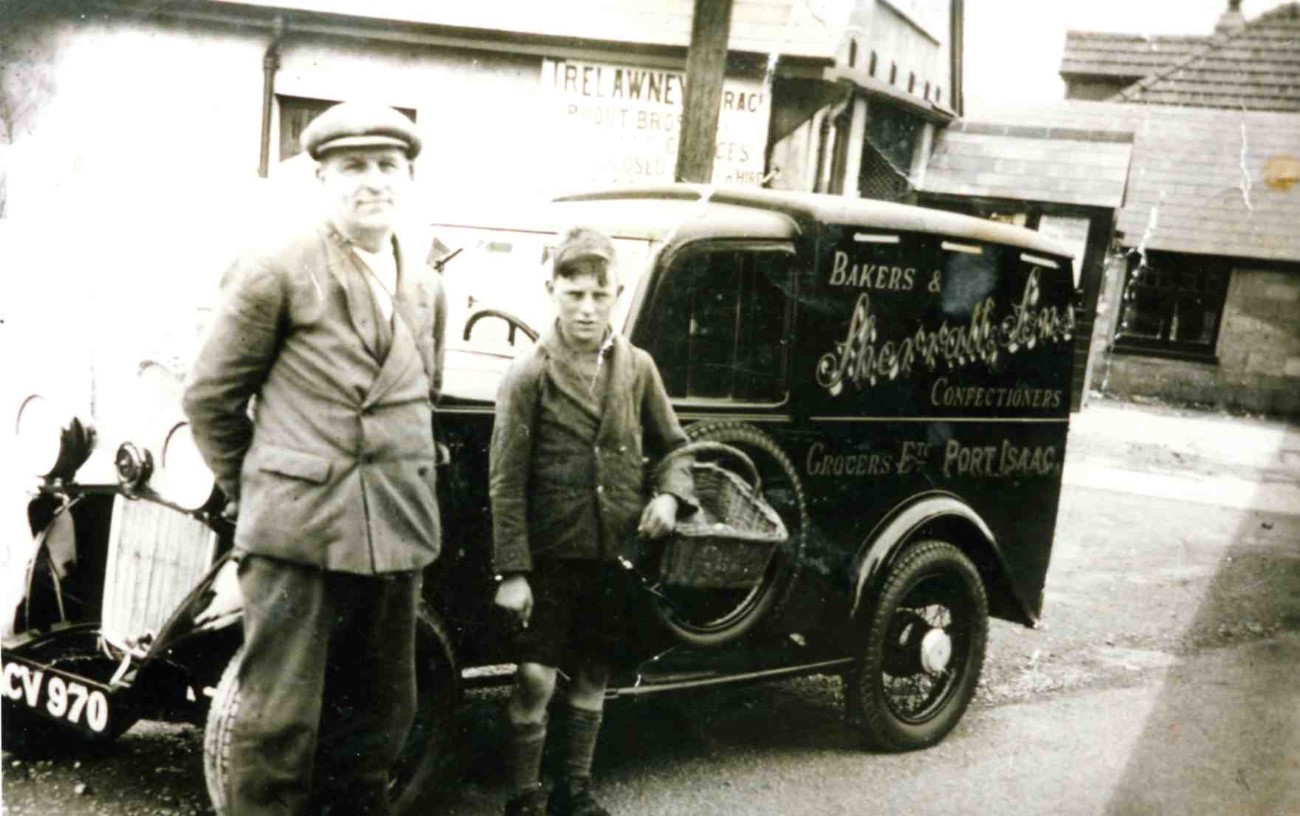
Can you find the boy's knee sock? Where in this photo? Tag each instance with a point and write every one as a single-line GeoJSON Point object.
{"type": "Point", "coordinates": [582, 728]}
{"type": "Point", "coordinates": [524, 756]}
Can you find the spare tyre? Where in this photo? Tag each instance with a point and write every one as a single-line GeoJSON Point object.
{"type": "Point", "coordinates": [713, 616]}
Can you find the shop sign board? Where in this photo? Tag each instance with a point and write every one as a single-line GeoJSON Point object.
{"type": "Point", "coordinates": [620, 124]}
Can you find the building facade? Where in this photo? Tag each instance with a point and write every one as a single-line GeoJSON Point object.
{"type": "Point", "coordinates": [142, 142]}
{"type": "Point", "coordinates": [514, 98]}
{"type": "Point", "coordinates": [1207, 293]}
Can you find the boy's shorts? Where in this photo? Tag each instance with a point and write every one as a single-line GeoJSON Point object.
{"type": "Point", "coordinates": [579, 608]}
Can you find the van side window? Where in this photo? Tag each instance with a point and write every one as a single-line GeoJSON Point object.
{"type": "Point", "coordinates": [720, 324]}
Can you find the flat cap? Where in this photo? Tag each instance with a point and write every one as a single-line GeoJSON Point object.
{"type": "Point", "coordinates": [360, 124]}
{"type": "Point", "coordinates": [583, 242]}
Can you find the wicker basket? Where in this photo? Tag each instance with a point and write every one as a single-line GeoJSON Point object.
{"type": "Point", "coordinates": [728, 542]}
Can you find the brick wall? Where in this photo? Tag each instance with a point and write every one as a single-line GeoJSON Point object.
{"type": "Point", "coordinates": [1259, 353]}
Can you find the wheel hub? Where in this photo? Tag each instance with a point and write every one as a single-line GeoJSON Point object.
{"type": "Point", "coordinates": [936, 651]}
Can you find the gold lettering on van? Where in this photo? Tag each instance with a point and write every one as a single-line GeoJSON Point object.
{"type": "Point", "coordinates": [870, 276]}
{"type": "Point", "coordinates": [944, 394]}
{"type": "Point", "coordinates": [1004, 461]}
{"type": "Point", "coordinates": [863, 359]}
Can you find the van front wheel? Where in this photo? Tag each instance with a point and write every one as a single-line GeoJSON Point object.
{"type": "Point", "coordinates": [426, 756]}
{"type": "Point", "coordinates": [923, 651]}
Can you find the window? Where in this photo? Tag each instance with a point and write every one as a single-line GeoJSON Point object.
{"type": "Point", "coordinates": [1172, 305]}
{"type": "Point", "coordinates": [719, 324]}
{"type": "Point", "coordinates": [853, 53]}
{"type": "Point", "coordinates": [296, 112]}
{"type": "Point", "coordinates": [895, 133]}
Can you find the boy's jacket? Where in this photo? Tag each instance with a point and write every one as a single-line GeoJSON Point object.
{"type": "Point", "coordinates": [566, 483]}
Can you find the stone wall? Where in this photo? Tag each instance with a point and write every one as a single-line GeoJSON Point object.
{"type": "Point", "coordinates": [1258, 369]}
{"type": "Point", "coordinates": [1259, 345]}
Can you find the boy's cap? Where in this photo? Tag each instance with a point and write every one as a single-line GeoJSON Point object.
{"type": "Point", "coordinates": [360, 124]}
{"type": "Point", "coordinates": [583, 242]}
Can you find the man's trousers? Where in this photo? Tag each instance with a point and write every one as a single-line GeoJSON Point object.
{"type": "Point", "coordinates": [327, 689]}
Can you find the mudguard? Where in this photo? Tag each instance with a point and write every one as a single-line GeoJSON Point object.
{"type": "Point", "coordinates": [961, 523]}
{"type": "Point", "coordinates": [215, 604]}
{"type": "Point", "coordinates": [53, 542]}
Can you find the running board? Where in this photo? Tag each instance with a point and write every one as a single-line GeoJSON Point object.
{"type": "Point", "coordinates": [823, 667]}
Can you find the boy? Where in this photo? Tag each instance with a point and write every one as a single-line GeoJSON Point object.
{"type": "Point", "coordinates": [573, 418]}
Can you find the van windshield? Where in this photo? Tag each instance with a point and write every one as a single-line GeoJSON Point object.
{"type": "Point", "coordinates": [496, 287]}
{"type": "Point", "coordinates": [500, 272]}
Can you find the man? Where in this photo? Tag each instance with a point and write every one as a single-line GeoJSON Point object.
{"type": "Point", "coordinates": [573, 418]}
{"type": "Point", "coordinates": [335, 336]}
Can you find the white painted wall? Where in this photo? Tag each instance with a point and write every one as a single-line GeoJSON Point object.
{"type": "Point", "coordinates": [133, 181]}
{"type": "Point", "coordinates": [132, 177]}
{"type": "Point", "coordinates": [132, 165]}
{"type": "Point", "coordinates": [888, 29]}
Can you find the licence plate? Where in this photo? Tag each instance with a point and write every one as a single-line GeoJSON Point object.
{"type": "Point", "coordinates": [51, 693]}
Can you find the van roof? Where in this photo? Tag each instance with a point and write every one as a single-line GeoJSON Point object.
{"type": "Point", "coordinates": [760, 213]}
{"type": "Point", "coordinates": [635, 217]}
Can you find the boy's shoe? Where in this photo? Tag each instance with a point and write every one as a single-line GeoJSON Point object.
{"type": "Point", "coordinates": [529, 803]}
{"type": "Point", "coordinates": [572, 797]}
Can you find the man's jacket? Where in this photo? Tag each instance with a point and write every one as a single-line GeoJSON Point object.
{"type": "Point", "coordinates": [569, 484]}
{"type": "Point", "coordinates": [334, 465]}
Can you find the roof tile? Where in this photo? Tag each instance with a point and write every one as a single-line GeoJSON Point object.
{"type": "Point", "coordinates": [1255, 68]}
{"type": "Point", "coordinates": [1186, 163]}
{"type": "Point", "coordinates": [1122, 55]}
{"type": "Point", "coordinates": [1073, 171]}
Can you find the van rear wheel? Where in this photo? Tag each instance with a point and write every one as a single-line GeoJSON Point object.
{"type": "Point", "coordinates": [924, 649]}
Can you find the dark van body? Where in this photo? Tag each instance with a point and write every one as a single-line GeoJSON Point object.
{"type": "Point", "coordinates": [900, 377]}
{"type": "Point", "coordinates": [898, 374]}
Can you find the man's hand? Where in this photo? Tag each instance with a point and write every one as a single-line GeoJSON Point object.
{"type": "Point", "coordinates": [659, 516]}
{"type": "Point", "coordinates": [516, 596]}
{"type": "Point", "coordinates": [231, 510]}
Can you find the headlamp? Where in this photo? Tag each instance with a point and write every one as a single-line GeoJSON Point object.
{"type": "Point", "coordinates": [134, 466]}
{"type": "Point", "coordinates": [183, 477]}
{"type": "Point", "coordinates": [50, 444]}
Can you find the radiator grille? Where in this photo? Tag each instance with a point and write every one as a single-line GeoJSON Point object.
{"type": "Point", "coordinates": [156, 555]}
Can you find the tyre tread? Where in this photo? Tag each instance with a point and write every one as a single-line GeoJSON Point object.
{"type": "Point", "coordinates": [222, 714]}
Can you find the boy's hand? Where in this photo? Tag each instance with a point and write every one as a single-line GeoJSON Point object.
{"type": "Point", "coordinates": [515, 595]}
{"type": "Point", "coordinates": [659, 516]}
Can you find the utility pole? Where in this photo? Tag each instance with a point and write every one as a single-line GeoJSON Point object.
{"type": "Point", "coordinates": [706, 63]}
